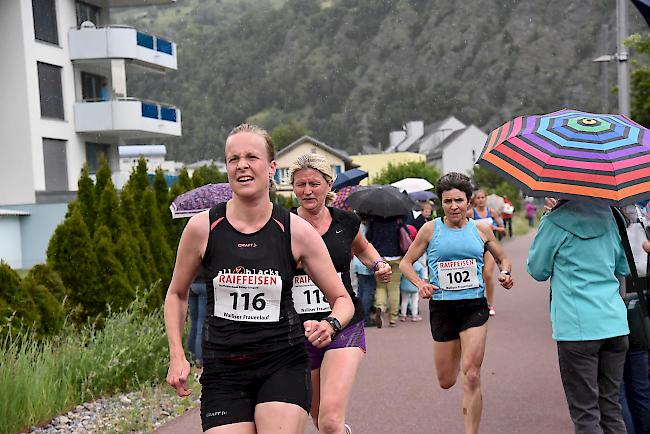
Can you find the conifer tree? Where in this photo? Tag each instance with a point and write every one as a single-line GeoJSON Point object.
{"type": "Point", "coordinates": [145, 262]}
{"type": "Point", "coordinates": [129, 258]}
{"type": "Point", "coordinates": [70, 252]}
{"type": "Point", "coordinates": [49, 309]}
{"type": "Point", "coordinates": [177, 225]}
{"type": "Point", "coordinates": [114, 285]}
{"type": "Point", "coordinates": [108, 211]}
{"type": "Point", "coordinates": [21, 307]}
{"type": "Point", "coordinates": [44, 274]}
{"type": "Point", "coordinates": [184, 181]}
{"type": "Point", "coordinates": [197, 179]}
{"type": "Point", "coordinates": [161, 192]}
{"type": "Point", "coordinates": [86, 198]}
{"type": "Point", "coordinates": [138, 181]}
{"type": "Point", "coordinates": [155, 234]}
{"type": "Point", "coordinates": [103, 177]}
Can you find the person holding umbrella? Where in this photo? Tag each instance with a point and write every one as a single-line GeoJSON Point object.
{"type": "Point", "coordinates": [334, 367]}
{"type": "Point", "coordinates": [255, 367]}
{"type": "Point", "coordinates": [458, 309]}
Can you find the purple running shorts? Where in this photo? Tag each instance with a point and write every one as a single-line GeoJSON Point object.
{"type": "Point", "coordinates": [351, 336]}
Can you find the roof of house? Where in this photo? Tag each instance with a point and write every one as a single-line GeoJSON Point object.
{"type": "Point", "coordinates": [308, 139]}
{"type": "Point", "coordinates": [428, 131]}
{"type": "Point", "coordinates": [13, 213]}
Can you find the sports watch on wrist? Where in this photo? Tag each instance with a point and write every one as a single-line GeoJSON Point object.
{"type": "Point", "coordinates": [335, 323]}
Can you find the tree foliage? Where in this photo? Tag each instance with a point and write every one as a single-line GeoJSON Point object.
{"type": "Point", "coordinates": [640, 79]}
{"type": "Point", "coordinates": [413, 169]}
{"type": "Point", "coordinates": [492, 183]}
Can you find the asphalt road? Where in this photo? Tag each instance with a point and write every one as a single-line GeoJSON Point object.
{"type": "Point", "coordinates": [397, 392]}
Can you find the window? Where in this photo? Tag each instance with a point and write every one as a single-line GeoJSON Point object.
{"type": "Point", "coordinates": [94, 152]}
{"type": "Point", "coordinates": [86, 12]}
{"type": "Point", "coordinates": [93, 87]}
{"type": "Point", "coordinates": [51, 91]}
{"type": "Point", "coordinates": [56, 165]}
{"type": "Point", "coordinates": [45, 28]}
{"type": "Point", "coordinates": [283, 175]}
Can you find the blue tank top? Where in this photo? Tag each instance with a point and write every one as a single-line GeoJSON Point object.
{"type": "Point", "coordinates": [487, 219]}
{"type": "Point", "coordinates": [460, 245]}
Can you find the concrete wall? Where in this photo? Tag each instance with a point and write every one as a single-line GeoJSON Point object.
{"type": "Point", "coordinates": [10, 246]}
{"type": "Point", "coordinates": [37, 229]}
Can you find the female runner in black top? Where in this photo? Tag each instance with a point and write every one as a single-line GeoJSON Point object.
{"type": "Point", "coordinates": [334, 367]}
{"type": "Point", "coordinates": [255, 377]}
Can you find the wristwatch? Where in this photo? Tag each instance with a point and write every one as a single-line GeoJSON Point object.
{"type": "Point", "coordinates": [335, 323]}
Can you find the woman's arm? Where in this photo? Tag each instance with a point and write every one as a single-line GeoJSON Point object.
{"type": "Point", "coordinates": [499, 222]}
{"type": "Point", "coordinates": [188, 260]}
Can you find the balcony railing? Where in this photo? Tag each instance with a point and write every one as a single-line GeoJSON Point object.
{"type": "Point", "coordinates": [127, 118]}
{"type": "Point", "coordinates": [122, 42]}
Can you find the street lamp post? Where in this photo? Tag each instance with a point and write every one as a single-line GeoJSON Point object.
{"type": "Point", "coordinates": [621, 57]}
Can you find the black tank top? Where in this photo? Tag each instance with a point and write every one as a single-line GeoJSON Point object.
{"type": "Point", "coordinates": [251, 311]}
{"type": "Point", "coordinates": [338, 239]}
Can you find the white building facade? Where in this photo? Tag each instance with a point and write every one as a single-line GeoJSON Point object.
{"type": "Point", "coordinates": [64, 98]}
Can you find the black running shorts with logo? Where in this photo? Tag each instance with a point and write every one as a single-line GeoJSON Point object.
{"type": "Point", "coordinates": [450, 317]}
{"type": "Point", "coordinates": [233, 386]}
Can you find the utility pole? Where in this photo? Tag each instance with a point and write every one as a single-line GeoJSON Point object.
{"type": "Point", "coordinates": [622, 58]}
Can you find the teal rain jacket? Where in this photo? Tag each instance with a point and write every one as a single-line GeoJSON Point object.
{"type": "Point", "coordinates": [578, 246]}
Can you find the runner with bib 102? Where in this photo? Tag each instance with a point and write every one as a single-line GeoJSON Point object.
{"type": "Point", "coordinates": [458, 309]}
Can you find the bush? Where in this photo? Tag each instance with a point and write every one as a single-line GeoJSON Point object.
{"type": "Point", "coordinates": [39, 380]}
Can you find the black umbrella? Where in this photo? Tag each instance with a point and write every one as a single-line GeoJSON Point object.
{"type": "Point", "coordinates": [349, 177]}
{"type": "Point", "coordinates": [381, 200]}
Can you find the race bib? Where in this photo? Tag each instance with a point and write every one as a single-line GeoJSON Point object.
{"type": "Point", "coordinates": [247, 297]}
{"type": "Point", "coordinates": [307, 297]}
{"type": "Point", "coordinates": [456, 275]}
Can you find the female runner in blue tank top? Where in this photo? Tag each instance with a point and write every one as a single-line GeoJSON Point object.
{"type": "Point", "coordinates": [458, 310]}
{"type": "Point", "coordinates": [333, 368]}
{"type": "Point", "coordinates": [256, 373]}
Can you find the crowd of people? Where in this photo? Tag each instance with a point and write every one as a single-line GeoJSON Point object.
{"type": "Point", "coordinates": [281, 334]}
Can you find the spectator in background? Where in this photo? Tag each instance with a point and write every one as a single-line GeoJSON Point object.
{"type": "Point", "coordinates": [531, 212]}
{"type": "Point", "coordinates": [409, 294]}
{"type": "Point", "coordinates": [579, 248]}
{"type": "Point", "coordinates": [383, 233]}
{"type": "Point", "coordinates": [197, 302]}
{"type": "Point", "coordinates": [507, 213]}
{"type": "Point", "coordinates": [366, 283]}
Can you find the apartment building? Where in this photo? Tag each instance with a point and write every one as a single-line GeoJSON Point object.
{"type": "Point", "coordinates": [65, 102]}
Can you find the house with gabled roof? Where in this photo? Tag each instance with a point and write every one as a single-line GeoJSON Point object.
{"type": "Point", "coordinates": [449, 144]}
{"type": "Point", "coordinates": [339, 160]}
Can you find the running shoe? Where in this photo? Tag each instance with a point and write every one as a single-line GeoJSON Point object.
{"type": "Point", "coordinates": [379, 322]}
{"type": "Point", "coordinates": [416, 318]}
{"type": "Point", "coordinates": [492, 311]}
{"type": "Point", "coordinates": [348, 430]}
{"type": "Point", "coordinates": [402, 318]}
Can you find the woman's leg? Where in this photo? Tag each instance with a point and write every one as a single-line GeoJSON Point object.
{"type": "Point", "coordinates": [637, 388]}
{"type": "Point", "coordinates": [404, 304]}
{"type": "Point", "coordinates": [610, 375]}
{"type": "Point", "coordinates": [446, 357]}
{"type": "Point", "coordinates": [579, 371]}
{"type": "Point", "coordinates": [279, 418]}
{"type": "Point", "coordinates": [472, 342]}
{"type": "Point", "coordinates": [393, 292]}
{"type": "Point", "coordinates": [337, 375]}
{"type": "Point", "coordinates": [415, 308]}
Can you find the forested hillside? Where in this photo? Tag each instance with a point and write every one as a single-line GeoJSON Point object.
{"type": "Point", "coordinates": [353, 70]}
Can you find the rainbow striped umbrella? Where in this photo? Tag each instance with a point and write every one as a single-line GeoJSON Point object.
{"type": "Point", "coordinates": [571, 154]}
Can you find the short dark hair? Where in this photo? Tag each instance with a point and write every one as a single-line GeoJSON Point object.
{"type": "Point", "coordinates": [456, 180]}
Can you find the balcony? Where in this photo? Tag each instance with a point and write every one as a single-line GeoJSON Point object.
{"type": "Point", "coordinates": [127, 119]}
{"type": "Point", "coordinates": [122, 42]}
{"type": "Point", "coordinates": [125, 3]}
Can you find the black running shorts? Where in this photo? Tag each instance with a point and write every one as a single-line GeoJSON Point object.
{"type": "Point", "coordinates": [450, 317]}
{"type": "Point", "coordinates": [233, 386]}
